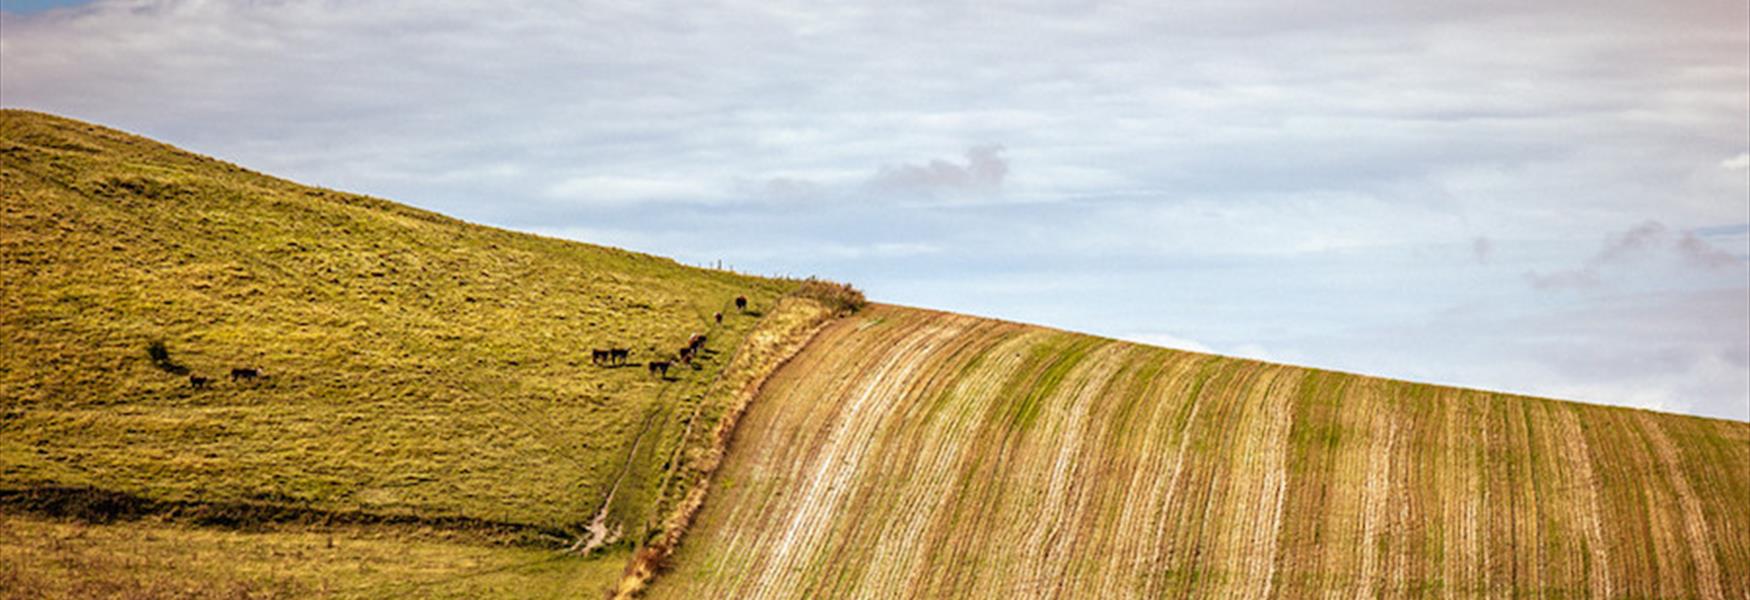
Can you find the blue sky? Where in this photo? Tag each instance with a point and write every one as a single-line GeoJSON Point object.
{"type": "Point", "coordinates": [35, 6]}
{"type": "Point", "coordinates": [1550, 198]}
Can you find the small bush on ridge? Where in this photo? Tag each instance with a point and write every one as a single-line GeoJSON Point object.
{"type": "Point", "coordinates": [840, 297]}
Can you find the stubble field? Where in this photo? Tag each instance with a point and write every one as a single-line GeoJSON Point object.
{"type": "Point", "coordinates": [909, 453]}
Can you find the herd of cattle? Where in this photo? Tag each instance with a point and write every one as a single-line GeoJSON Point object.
{"type": "Point", "coordinates": [598, 356]}
{"type": "Point", "coordinates": [613, 357]}
{"type": "Point", "coordinates": [238, 374]}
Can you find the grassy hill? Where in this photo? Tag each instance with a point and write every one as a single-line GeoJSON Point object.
{"type": "Point", "coordinates": [418, 373]}
{"type": "Point", "coordinates": [908, 453]}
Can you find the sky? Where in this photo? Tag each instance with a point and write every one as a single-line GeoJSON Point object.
{"type": "Point", "coordinates": [1549, 198]}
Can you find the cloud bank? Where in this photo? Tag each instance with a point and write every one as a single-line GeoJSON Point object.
{"type": "Point", "coordinates": [1362, 185]}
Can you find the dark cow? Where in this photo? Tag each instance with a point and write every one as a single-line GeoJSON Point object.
{"type": "Point", "coordinates": [599, 356]}
{"type": "Point", "coordinates": [686, 355]}
{"type": "Point", "coordinates": [246, 374]}
{"type": "Point", "coordinates": [718, 317]}
{"type": "Point", "coordinates": [659, 368]}
{"type": "Point", "coordinates": [696, 342]}
{"type": "Point", "coordinates": [619, 355]}
{"type": "Point", "coordinates": [741, 303]}
{"type": "Point", "coordinates": [198, 382]}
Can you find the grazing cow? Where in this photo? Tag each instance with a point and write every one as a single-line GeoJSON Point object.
{"type": "Point", "coordinates": [718, 317]}
{"type": "Point", "coordinates": [198, 382]}
{"type": "Point", "coordinates": [741, 303]}
{"type": "Point", "coordinates": [659, 368]}
{"type": "Point", "coordinates": [696, 342]}
{"type": "Point", "coordinates": [599, 356]}
{"type": "Point", "coordinates": [619, 355]}
{"type": "Point", "coordinates": [245, 374]}
{"type": "Point", "coordinates": [686, 355]}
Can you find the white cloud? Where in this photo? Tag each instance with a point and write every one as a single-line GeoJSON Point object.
{"type": "Point", "coordinates": [1737, 163]}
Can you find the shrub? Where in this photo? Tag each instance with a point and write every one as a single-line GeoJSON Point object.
{"type": "Point", "coordinates": [840, 297]}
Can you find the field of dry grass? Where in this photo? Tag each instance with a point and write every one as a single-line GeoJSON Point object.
{"type": "Point", "coordinates": [908, 453]}
{"type": "Point", "coordinates": [136, 560]}
{"type": "Point", "coordinates": [420, 374]}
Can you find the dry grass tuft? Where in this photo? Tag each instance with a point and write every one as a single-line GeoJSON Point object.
{"type": "Point", "coordinates": [841, 298]}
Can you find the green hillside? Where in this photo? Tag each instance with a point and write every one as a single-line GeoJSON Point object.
{"type": "Point", "coordinates": [416, 372]}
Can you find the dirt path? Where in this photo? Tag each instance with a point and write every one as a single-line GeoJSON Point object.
{"type": "Point", "coordinates": [598, 533]}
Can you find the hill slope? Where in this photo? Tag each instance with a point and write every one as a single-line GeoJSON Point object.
{"type": "Point", "coordinates": [908, 453]}
{"type": "Point", "coordinates": [428, 398]}
{"type": "Point", "coordinates": [416, 369]}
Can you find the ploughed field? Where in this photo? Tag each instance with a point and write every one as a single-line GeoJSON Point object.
{"type": "Point", "coordinates": [909, 453]}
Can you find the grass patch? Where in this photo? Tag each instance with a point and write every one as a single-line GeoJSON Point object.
{"type": "Point", "coordinates": [48, 558]}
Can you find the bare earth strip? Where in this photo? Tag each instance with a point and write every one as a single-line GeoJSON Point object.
{"type": "Point", "coordinates": [910, 453]}
{"type": "Point", "coordinates": [1584, 485]}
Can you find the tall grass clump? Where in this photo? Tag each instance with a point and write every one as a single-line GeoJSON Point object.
{"type": "Point", "coordinates": [841, 298]}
